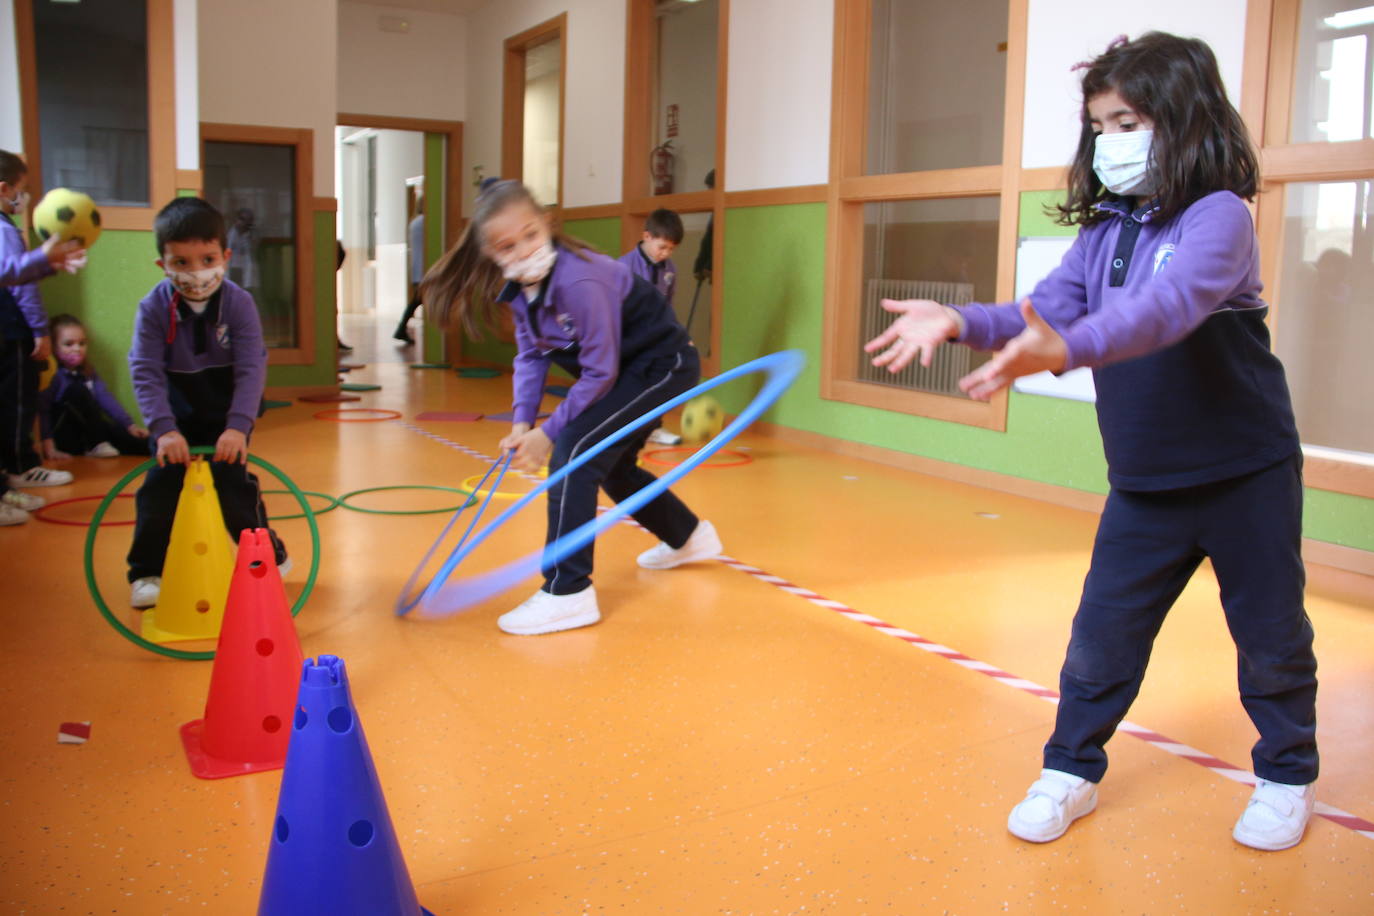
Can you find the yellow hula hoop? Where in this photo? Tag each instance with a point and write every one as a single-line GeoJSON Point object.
{"type": "Point", "coordinates": [469, 486]}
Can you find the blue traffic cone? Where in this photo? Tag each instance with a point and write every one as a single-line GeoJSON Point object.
{"type": "Point", "coordinates": [333, 849]}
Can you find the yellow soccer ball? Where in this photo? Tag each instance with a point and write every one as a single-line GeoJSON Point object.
{"type": "Point", "coordinates": [702, 419]}
{"type": "Point", "coordinates": [67, 214]}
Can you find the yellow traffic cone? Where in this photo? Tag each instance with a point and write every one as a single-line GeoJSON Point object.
{"type": "Point", "coordinates": [199, 565]}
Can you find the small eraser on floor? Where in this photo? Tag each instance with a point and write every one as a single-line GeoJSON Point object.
{"type": "Point", "coordinates": [73, 732]}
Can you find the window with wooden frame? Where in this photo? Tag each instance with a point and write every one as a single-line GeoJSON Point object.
{"type": "Point", "coordinates": [1310, 106]}
{"type": "Point", "coordinates": [532, 113]}
{"type": "Point", "coordinates": [675, 91]}
{"type": "Point", "coordinates": [261, 179]}
{"type": "Point", "coordinates": [98, 99]}
{"type": "Point", "coordinates": [924, 190]}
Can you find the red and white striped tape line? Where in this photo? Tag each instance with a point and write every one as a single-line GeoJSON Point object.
{"type": "Point", "coordinates": [1220, 767]}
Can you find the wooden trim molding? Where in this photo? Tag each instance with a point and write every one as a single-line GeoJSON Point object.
{"type": "Point", "coordinates": [190, 180]}
{"type": "Point", "coordinates": [1318, 161]}
{"type": "Point", "coordinates": [324, 204]}
{"type": "Point", "coordinates": [774, 197]}
{"type": "Point", "coordinates": [597, 211]}
{"type": "Point", "coordinates": [683, 202]}
{"type": "Point", "coordinates": [303, 140]}
{"type": "Point", "coordinates": [1050, 178]}
{"type": "Point", "coordinates": [976, 181]}
{"type": "Point", "coordinates": [1338, 475]}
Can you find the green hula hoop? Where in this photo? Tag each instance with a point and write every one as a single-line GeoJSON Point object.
{"type": "Point", "coordinates": [333, 504]}
{"type": "Point", "coordinates": [100, 511]}
{"type": "Point", "coordinates": [343, 500]}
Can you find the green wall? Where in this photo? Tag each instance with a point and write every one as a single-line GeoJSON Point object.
{"type": "Point", "coordinates": [323, 370]}
{"type": "Point", "coordinates": [774, 299]}
{"type": "Point", "coordinates": [105, 296]}
{"type": "Point", "coordinates": [435, 177]}
{"type": "Point", "coordinates": [603, 234]}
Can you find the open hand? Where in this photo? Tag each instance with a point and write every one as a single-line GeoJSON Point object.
{"type": "Point", "coordinates": [68, 255]}
{"type": "Point", "coordinates": [922, 327]}
{"type": "Point", "coordinates": [1036, 349]}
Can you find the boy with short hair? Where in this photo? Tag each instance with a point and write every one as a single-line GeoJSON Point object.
{"type": "Point", "coordinates": [651, 258]}
{"type": "Point", "coordinates": [24, 350]}
{"type": "Point", "coordinates": [199, 367]}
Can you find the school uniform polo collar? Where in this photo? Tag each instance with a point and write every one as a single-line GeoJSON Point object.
{"type": "Point", "coordinates": [1117, 207]}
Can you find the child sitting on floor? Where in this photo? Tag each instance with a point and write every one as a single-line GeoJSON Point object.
{"type": "Point", "coordinates": [77, 414]}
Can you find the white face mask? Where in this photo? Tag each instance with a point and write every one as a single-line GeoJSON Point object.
{"type": "Point", "coordinates": [197, 285]}
{"type": "Point", "coordinates": [1122, 161]}
{"type": "Point", "coordinates": [531, 270]}
{"type": "Point", "coordinates": [19, 202]}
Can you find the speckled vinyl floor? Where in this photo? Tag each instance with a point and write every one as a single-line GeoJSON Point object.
{"type": "Point", "coordinates": [717, 744]}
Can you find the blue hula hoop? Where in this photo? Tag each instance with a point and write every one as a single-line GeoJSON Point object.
{"type": "Point", "coordinates": [440, 599]}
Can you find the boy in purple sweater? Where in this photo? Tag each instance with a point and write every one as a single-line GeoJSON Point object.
{"type": "Point", "coordinates": [199, 367]}
{"type": "Point", "coordinates": [651, 259]}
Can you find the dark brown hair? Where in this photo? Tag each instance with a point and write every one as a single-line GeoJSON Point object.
{"type": "Point", "coordinates": [665, 224]}
{"type": "Point", "coordinates": [462, 285]}
{"type": "Point", "coordinates": [188, 219]}
{"type": "Point", "coordinates": [1200, 144]}
{"type": "Point", "coordinates": [12, 168]}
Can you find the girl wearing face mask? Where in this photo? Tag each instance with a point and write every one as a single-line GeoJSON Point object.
{"type": "Point", "coordinates": [77, 414]}
{"type": "Point", "coordinates": [616, 335]}
{"type": "Point", "coordinates": [1160, 296]}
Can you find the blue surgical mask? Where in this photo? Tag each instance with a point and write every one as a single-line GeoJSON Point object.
{"type": "Point", "coordinates": [1122, 161]}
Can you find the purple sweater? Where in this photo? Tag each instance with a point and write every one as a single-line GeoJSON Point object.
{"type": "Point", "coordinates": [20, 269]}
{"type": "Point", "coordinates": [662, 276]}
{"type": "Point", "coordinates": [1212, 265]}
{"type": "Point", "coordinates": [1168, 314]}
{"type": "Point", "coordinates": [236, 344]}
{"type": "Point", "coordinates": [62, 381]}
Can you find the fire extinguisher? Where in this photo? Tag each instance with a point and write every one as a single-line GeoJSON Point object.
{"type": "Point", "coordinates": [661, 167]}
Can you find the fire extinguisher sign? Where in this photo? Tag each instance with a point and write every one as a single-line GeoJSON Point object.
{"type": "Point", "coordinates": [672, 120]}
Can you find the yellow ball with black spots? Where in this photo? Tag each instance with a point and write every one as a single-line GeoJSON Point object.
{"type": "Point", "coordinates": [67, 214]}
{"type": "Point", "coordinates": [702, 419]}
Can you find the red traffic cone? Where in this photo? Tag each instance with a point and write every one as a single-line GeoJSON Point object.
{"type": "Point", "coordinates": [256, 674]}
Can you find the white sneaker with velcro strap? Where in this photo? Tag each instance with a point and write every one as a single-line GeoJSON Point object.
{"type": "Point", "coordinates": [21, 500]}
{"type": "Point", "coordinates": [41, 477]}
{"type": "Point", "coordinates": [103, 450]}
{"type": "Point", "coordinates": [1053, 802]}
{"type": "Point", "coordinates": [704, 544]}
{"type": "Point", "coordinates": [1276, 815]}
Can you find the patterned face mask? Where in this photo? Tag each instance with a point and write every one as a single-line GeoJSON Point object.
{"type": "Point", "coordinates": [197, 285]}
{"type": "Point", "coordinates": [531, 270]}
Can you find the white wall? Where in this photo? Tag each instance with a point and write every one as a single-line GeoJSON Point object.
{"type": "Point", "coordinates": [265, 62]}
{"type": "Point", "coordinates": [778, 107]}
{"type": "Point", "coordinates": [688, 40]}
{"type": "Point", "coordinates": [421, 73]}
{"type": "Point", "coordinates": [594, 104]}
{"type": "Point", "coordinates": [540, 169]}
{"type": "Point", "coordinates": [11, 129]}
{"type": "Point", "coordinates": [186, 44]}
{"type": "Point", "coordinates": [1061, 33]}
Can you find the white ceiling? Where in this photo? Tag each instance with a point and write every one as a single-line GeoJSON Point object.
{"type": "Point", "coordinates": [453, 7]}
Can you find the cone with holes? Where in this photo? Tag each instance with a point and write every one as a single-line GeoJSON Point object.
{"type": "Point", "coordinates": [195, 575]}
{"type": "Point", "coordinates": [257, 667]}
{"type": "Point", "coordinates": [333, 849]}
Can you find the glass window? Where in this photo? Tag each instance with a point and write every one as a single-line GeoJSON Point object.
{"type": "Point", "coordinates": [1333, 81]}
{"type": "Point", "coordinates": [943, 249]}
{"type": "Point", "coordinates": [92, 63]}
{"type": "Point", "coordinates": [542, 153]}
{"type": "Point", "coordinates": [684, 104]}
{"type": "Point", "coordinates": [254, 186]}
{"type": "Point", "coordinates": [1325, 312]}
{"type": "Point", "coordinates": [937, 85]}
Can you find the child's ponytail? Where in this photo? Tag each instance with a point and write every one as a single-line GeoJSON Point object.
{"type": "Point", "coordinates": [462, 286]}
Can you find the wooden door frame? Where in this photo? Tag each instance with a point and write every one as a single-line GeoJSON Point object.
{"type": "Point", "coordinates": [303, 141]}
{"type": "Point", "coordinates": [513, 98]}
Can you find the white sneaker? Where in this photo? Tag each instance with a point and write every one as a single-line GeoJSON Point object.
{"type": "Point", "coordinates": [545, 613]}
{"type": "Point", "coordinates": [702, 545]}
{"type": "Point", "coordinates": [143, 593]}
{"type": "Point", "coordinates": [20, 500]}
{"type": "Point", "coordinates": [11, 514]}
{"type": "Point", "coordinates": [661, 436]}
{"type": "Point", "coordinates": [1053, 802]}
{"type": "Point", "coordinates": [41, 477]}
{"type": "Point", "coordinates": [103, 450]}
{"type": "Point", "coordinates": [285, 567]}
{"type": "Point", "coordinates": [1276, 815]}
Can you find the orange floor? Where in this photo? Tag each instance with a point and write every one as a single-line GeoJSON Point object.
{"type": "Point", "coordinates": [716, 745]}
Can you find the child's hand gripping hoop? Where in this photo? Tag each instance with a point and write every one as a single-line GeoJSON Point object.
{"type": "Point", "coordinates": [438, 599]}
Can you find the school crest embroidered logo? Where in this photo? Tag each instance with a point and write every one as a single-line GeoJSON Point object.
{"type": "Point", "coordinates": [222, 335]}
{"type": "Point", "coordinates": [565, 323]}
{"type": "Point", "coordinates": [1163, 255]}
